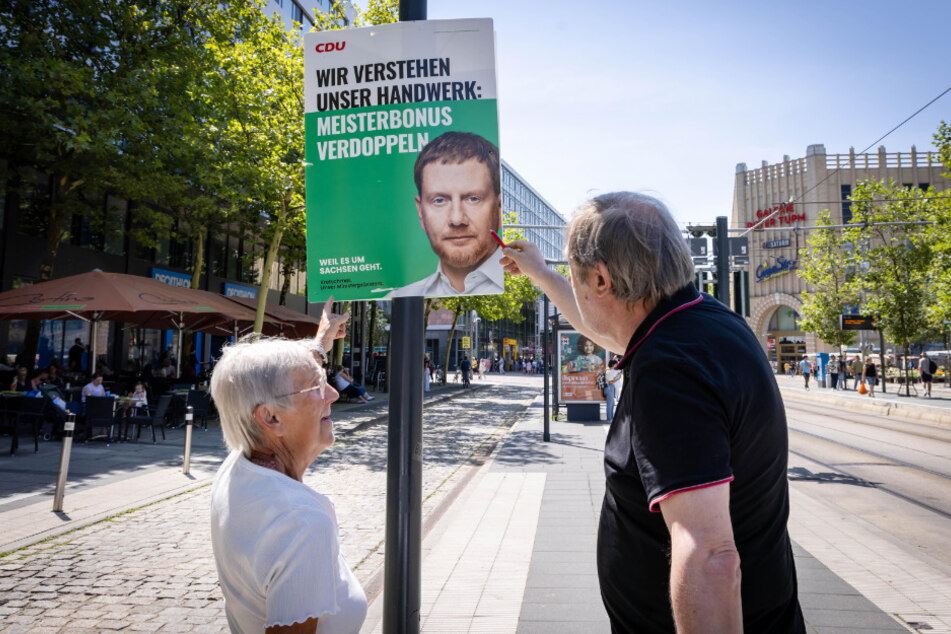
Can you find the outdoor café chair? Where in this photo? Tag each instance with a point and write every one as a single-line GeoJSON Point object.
{"type": "Point", "coordinates": [100, 412]}
{"type": "Point", "coordinates": [157, 418]}
{"type": "Point", "coordinates": [200, 400]}
{"type": "Point", "coordinates": [30, 410]}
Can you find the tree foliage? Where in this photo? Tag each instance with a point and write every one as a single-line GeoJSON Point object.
{"type": "Point", "coordinates": [939, 236]}
{"type": "Point", "coordinates": [821, 265]}
{"type": "Point", "coordinates": [892, 258]}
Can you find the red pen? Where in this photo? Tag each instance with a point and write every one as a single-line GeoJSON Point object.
{"type": "Point", "coordinates": [498, 239]}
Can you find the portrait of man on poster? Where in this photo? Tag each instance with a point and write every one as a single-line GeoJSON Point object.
{"type": "Point", "coordinates": [458, 202]}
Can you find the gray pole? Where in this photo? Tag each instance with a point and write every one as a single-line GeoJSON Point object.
{"type": "Point", "coordinates": [189, 418]}
{"type": "Point", "coordinates": [881, 358]}
{"type": "Point", "coordinates": [547, 435]}
{"type": "Point", "coordinates": [723, 261]}
{"type": "Point", "coordinates": [404, 454]}
{"type": "Point", "coordinates": [555, 369]}
{"type": "Point", "coordinates": [404, 471]}
{"type": "Point", "coordinates": [67, 447]}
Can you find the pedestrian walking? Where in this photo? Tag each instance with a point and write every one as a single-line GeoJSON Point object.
{"type": "Point", "coordinates": [834, 371]}
{"type": "Point", "coordinates": [612, 376]}
{"type": "Point", "coordinates": [927, 367]}
{"type": "Point", "coordinates": [844, 372]}
{"type": "Point", "coordinates": [275, 540]}
{"type": "Point", "coordinates": [869, 376]}
{"type": "Point", "coordinates": [466, 367]}
{"type": "Point", "coordinates": [806, 368]}
{"type": "Point", "coordinates": [857, 368]}
{"type": "Point", "coordinates": [696, 456]}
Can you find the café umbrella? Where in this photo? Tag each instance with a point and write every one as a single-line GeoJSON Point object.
{"type": "Point", "coordinates": [145, 302]}
{"type": "Point", "coordinates": [285, 321]}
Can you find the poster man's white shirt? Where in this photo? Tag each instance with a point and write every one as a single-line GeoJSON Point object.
{"type": "Point", "coordinates": [482, 281]}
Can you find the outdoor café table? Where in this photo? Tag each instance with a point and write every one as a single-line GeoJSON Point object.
{"type": "Point", "coordinates": [126, 405]}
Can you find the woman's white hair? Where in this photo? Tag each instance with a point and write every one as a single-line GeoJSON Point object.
{"type": "Point", "coordinates": [256, 371]}
{"type": "Point", "coordinates": [637, 239]}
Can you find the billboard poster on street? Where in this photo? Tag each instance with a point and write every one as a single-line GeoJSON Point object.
{"type": "Point", "coordinates": [580, 361]}
{"type": "Point", "coordinates": [378, 225]}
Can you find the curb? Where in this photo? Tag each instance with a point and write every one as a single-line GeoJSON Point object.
{"type": "Point", "coordinates": [883, 407]}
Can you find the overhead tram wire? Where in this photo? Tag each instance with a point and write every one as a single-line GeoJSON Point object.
{"type": "Point", "coordinates": [836, 170]}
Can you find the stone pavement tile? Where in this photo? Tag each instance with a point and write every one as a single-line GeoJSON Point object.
{"type": "Point", "coordinates": [561, 611]}
{"type": "Point", "coordinates": [563, 627]}
{"type": "Point", "coordinates": [158, 558]}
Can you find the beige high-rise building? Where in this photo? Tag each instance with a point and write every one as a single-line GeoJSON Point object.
{"type": "Point", "coordinates": [814, 183]}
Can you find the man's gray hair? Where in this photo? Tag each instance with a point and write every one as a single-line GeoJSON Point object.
{"type": "Point", "coordinates": [637, 239]}
{"type": "Point", "coordinates": [252, 372]}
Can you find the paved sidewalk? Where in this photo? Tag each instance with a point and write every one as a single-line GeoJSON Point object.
{"type": "Point", "coordinates": [516, 552]}
{"type": "Point", "coordinates": [106, 480]}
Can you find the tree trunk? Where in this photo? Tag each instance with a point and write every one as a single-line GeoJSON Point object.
{"type": "Point", "coordinates": [905, 369]}
{"type": "Point", "coordinates": [371, 343]}
{"type": "Point", "coordinates": [452, 333]}
{"type": "Point", "coordinates": [54, 236]}
{"type": "Point", "coordinates": [199, 257]}
{"type": "Point", "coordinates": [338, 343]}
{"type": "Point", "coordinates": [286, 270]}
{"type": "Point", "coordinates": [269, 263]}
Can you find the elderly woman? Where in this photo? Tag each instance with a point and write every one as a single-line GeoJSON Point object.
{"type": "Point", "coordinates": [275, 539]}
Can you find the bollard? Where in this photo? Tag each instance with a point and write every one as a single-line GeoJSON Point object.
{"type": "Point", "coordinates": [189, 414]}
{"type": "Point", "coordinates": [68, 428]}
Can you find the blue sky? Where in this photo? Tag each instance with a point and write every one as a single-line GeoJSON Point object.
{"type": "Point", "coordinates": [667, 97]}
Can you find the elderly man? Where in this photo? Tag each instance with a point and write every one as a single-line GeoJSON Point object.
{"type": "Point", "coordinates": [696, 456]}
{"type": "Point", "coordinates": [458, 203]}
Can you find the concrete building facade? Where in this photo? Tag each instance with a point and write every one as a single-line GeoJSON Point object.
{"type": "Point", "coordinates": [813, 183]}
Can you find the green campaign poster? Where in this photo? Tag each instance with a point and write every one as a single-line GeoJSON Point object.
{"type": "Point", "coordinates": [384, 220]}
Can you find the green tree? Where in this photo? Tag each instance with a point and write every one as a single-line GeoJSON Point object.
{"type": "Point", "coordinates": [821, 265]}
{"type": "Point", "coordinates": [892, 258]}
{"type": "Point", "coordinates": [939, 236]}
{"type": "Point", "coordinates": [77, 91]}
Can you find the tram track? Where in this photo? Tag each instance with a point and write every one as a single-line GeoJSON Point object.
{"type": "Point", "coordinates": [878, 468]}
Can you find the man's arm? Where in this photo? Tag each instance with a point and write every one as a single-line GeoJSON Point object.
{"type": "Point", "coordinates": [704, 563]}
{"type": "Point", "coordinates": [524, 258]}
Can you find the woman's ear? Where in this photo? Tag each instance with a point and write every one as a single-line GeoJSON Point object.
{"type": "Point", "coordinates": [265, 418]}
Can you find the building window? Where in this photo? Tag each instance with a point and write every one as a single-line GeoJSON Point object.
{"type": "Point", "coordinates": [117, 211]}
{"type": "Point", "coordinates": [36, 196]}
{"type": "Point", "coordinates": [846, 204]}
{"type": "Point", "coordinates": [297, 14]}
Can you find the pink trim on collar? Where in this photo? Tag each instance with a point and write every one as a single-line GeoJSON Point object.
{"type": "Point", "coordinates": [692, 302]}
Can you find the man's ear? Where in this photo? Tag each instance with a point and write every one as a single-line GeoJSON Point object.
{"type": "Point", "coordinates": [266, 419]}
{"type": "Point", "coordinates": [419, 214]}
{"type": "Point", "coordinates": [601, 282]}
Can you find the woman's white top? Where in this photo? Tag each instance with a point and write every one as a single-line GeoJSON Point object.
{"type": "Point", "coordinates": [341, 382]}
{"type": "Point", "coordinates": [90, 389]}
{"type": "Point", "coordinates": [277, 550]}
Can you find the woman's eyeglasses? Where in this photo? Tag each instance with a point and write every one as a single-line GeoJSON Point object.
{"type": "Point", "coordinates": [320, 386]}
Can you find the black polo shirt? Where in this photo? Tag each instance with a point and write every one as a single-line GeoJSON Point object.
{"type": "Point", "coordinates": [699, 408]}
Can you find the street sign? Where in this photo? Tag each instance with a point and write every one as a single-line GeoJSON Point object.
{"type": "Point", "coordinates": [466, 343]}
{"type": "Point", "coordinates": [857, 322]}
{"type": "Point", "coordinates": [698, 247]}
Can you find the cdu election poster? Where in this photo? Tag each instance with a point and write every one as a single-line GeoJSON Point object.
{"type": "Point", "coordinates": [580, 361]}
{"type": "Point", "coordinates": [384, 220]}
